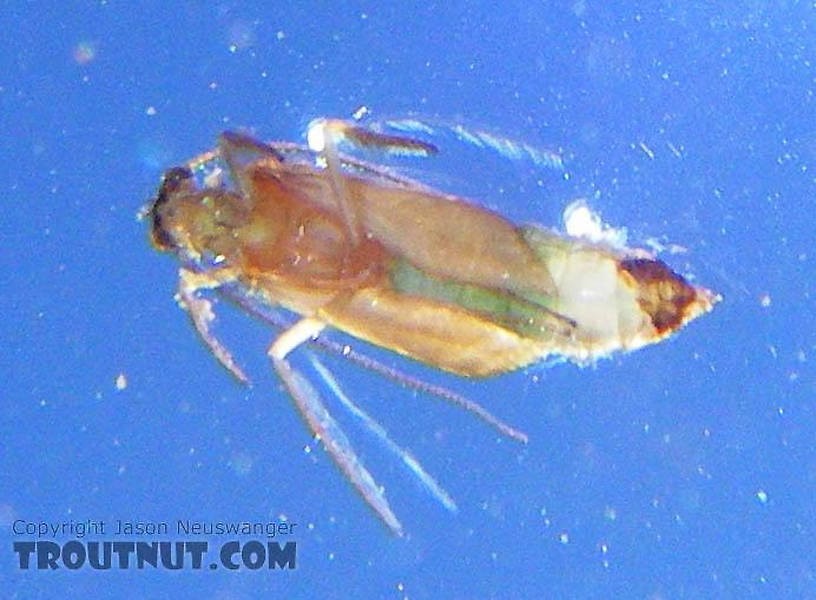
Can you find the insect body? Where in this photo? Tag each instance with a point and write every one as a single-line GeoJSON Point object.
{"type": "Point", "coordinates": [431, 276]}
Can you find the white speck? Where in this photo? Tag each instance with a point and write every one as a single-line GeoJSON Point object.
{"type": "Point", "coordinates": [121, 382]}
{"type": "Point", "coordinates": [648, 151]}
{"type": "Point", "coordinates": [580, 221]}
{"type": "Point", "coordinates": [360, 113]}
{"type": "Point", "coordinates": [674, 150]}
{"type": "Point", "coordinates": [316, 135]}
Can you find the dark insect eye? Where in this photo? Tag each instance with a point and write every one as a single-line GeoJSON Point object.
{"type": "Point", "coordinates": [172, 181]}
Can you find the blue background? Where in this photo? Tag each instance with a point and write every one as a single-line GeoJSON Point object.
{"type": "Point", "coordinates": [684, 470]}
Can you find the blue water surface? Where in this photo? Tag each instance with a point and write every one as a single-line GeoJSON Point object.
{"type": "Point", "coordinates": [684, 470]}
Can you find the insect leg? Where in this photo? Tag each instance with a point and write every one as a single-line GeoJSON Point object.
{"type": "Point", "coordinates": [323, 135]}
{"type": "Point", "coordinates": [391, 373]}
{"type": "Point", "coordinates": [238, 151]}
{"type": "Point", "coordinates": [410, 461]}
{"type": "Point", "coordinates": [323, 424]}
{"type": "Point", "coordinates": [201, 313]}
